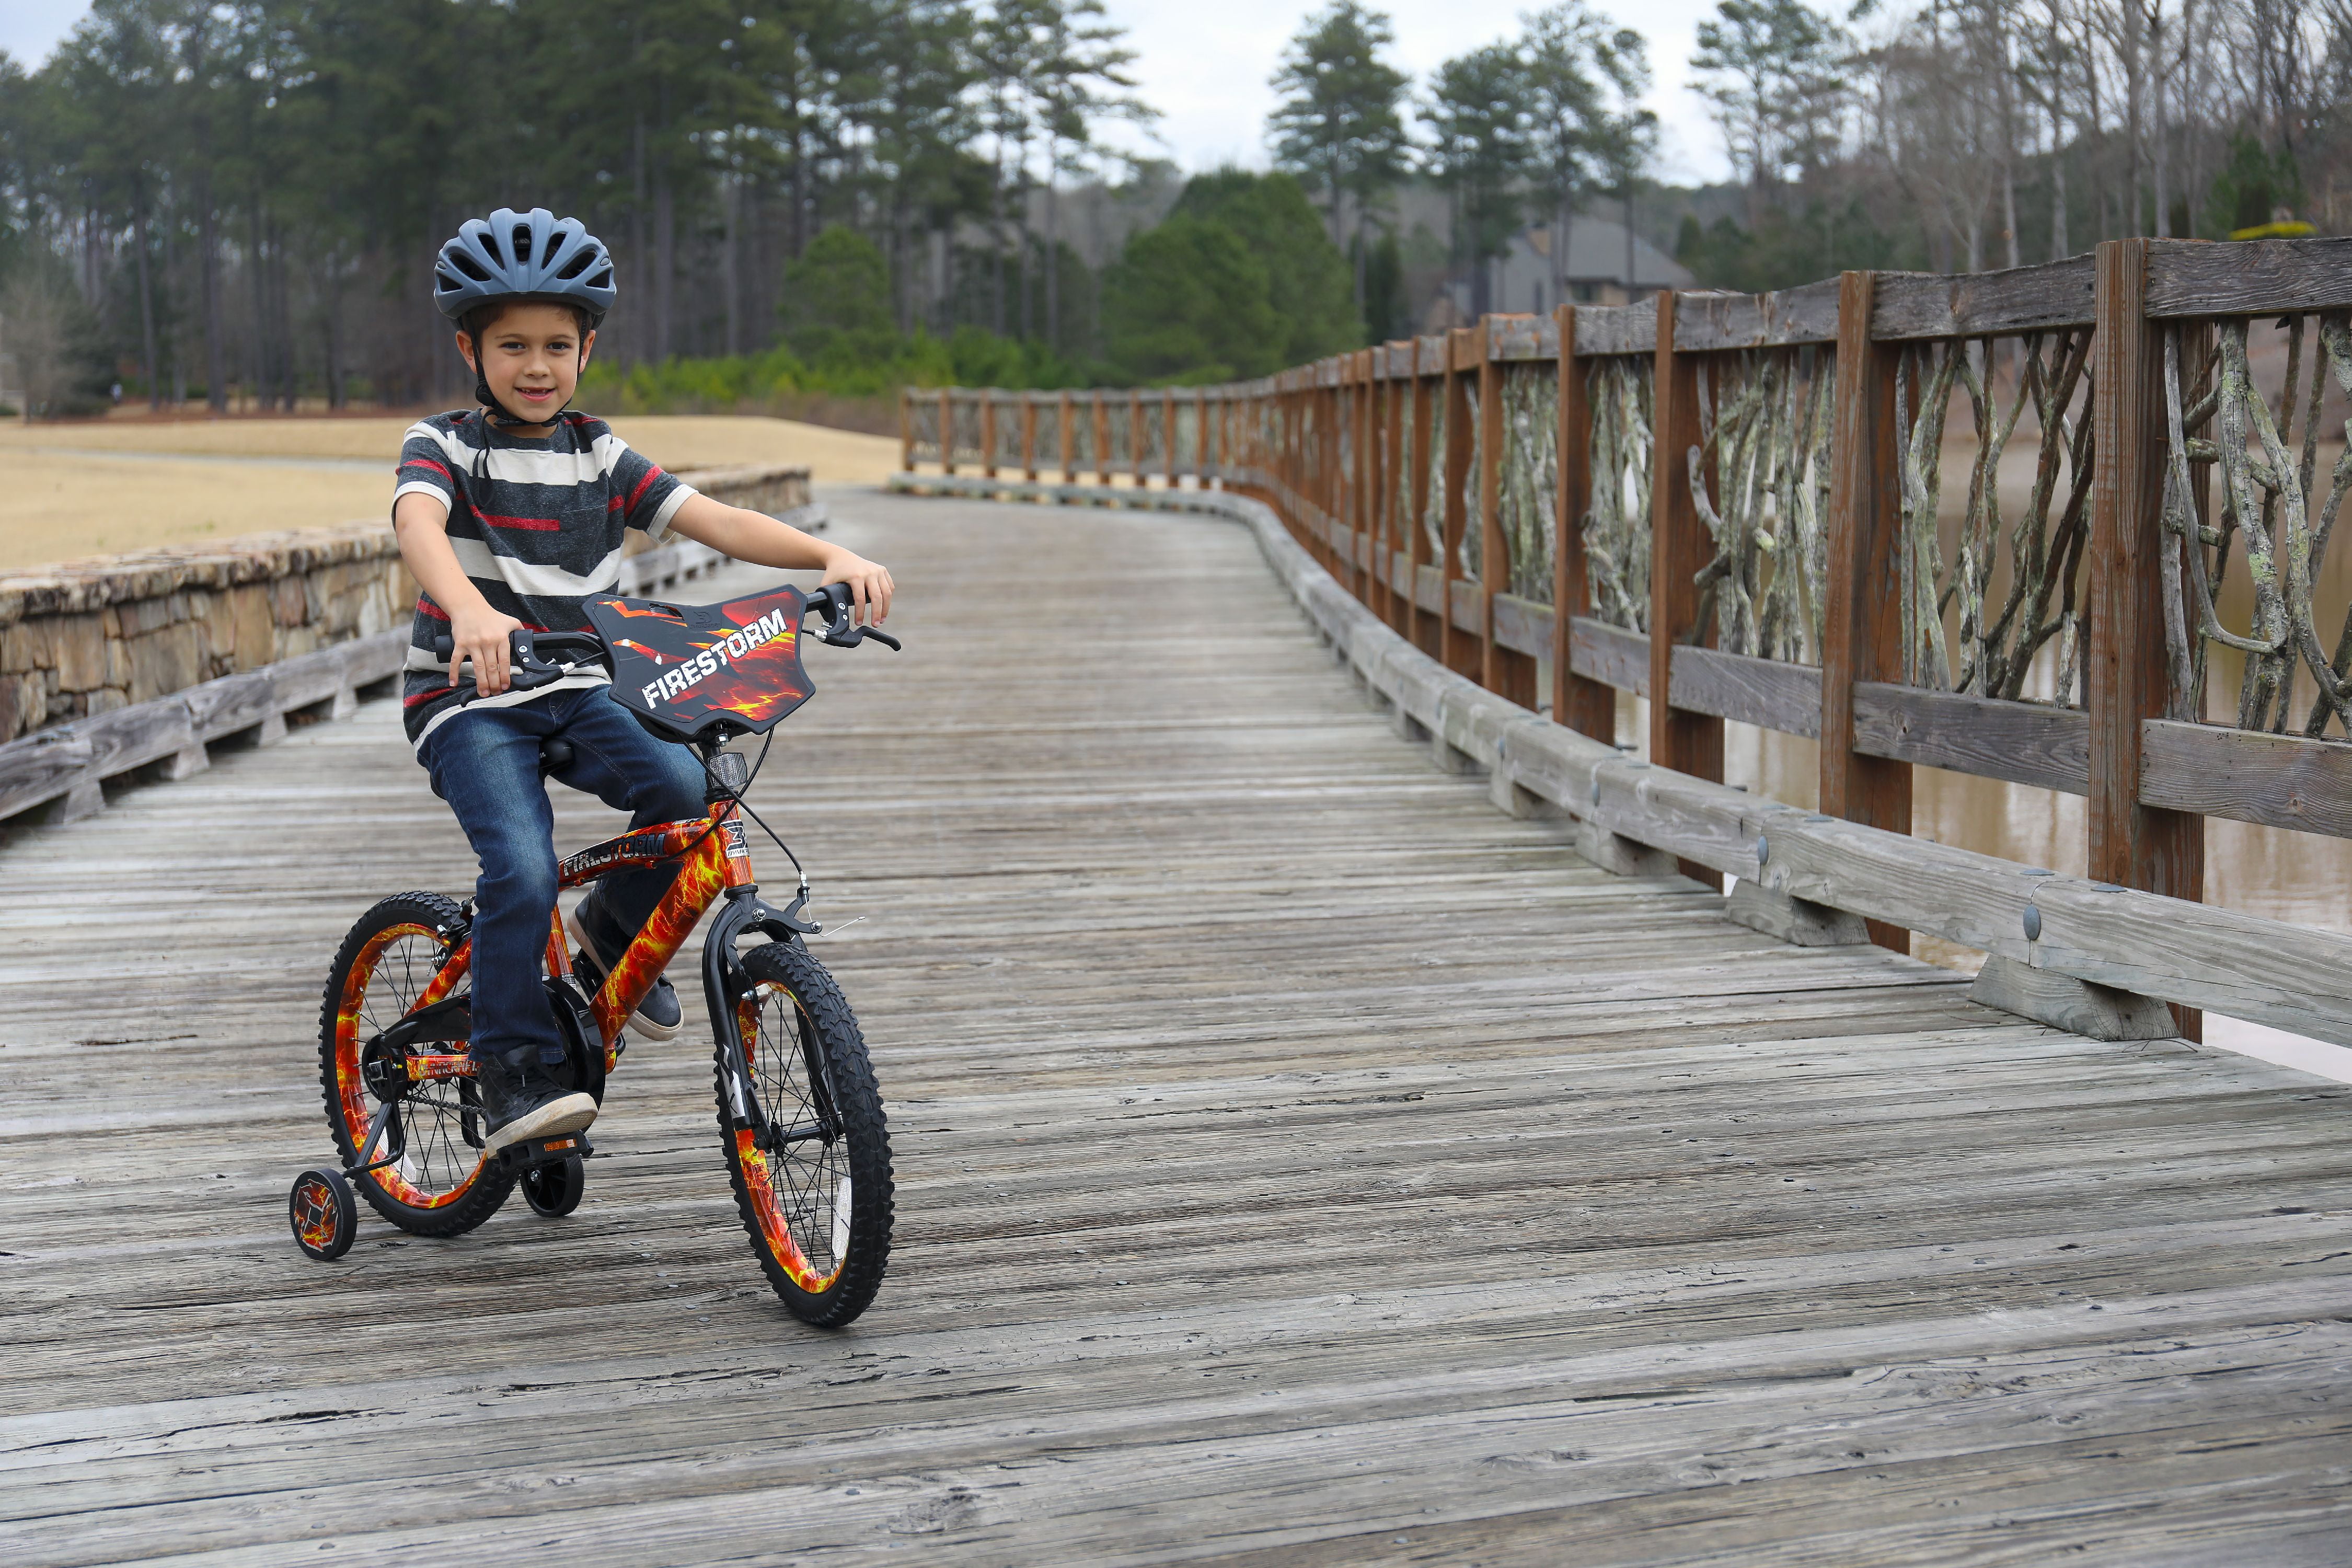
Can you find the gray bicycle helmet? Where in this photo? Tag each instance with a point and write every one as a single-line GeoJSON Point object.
{"type": "Point", "coordinates": [512, 253]}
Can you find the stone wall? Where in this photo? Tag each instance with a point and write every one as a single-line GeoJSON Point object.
{"type": "Point", "coordinates": [86, 637]}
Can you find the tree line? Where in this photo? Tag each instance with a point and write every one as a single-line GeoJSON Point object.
{"type": "Point", "coordinates": [833, 195]}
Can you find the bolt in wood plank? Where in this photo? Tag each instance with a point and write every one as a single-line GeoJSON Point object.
{"type": "Point", "coordinates": [1863, 621]}
{"type": "Point", "coordinates": [1679, 550]}
{"type": "Point", "coordinates": [2132, 845]}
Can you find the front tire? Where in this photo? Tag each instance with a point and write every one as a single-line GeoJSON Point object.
{"type": "Point", "coordinates": [816, 1195]}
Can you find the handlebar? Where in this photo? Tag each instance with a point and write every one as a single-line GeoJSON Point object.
{"type": "Point", "coordinates": [531, 669]}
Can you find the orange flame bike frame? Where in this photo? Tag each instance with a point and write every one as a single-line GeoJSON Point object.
{"type": "Point", "coordinates": [714, 861]}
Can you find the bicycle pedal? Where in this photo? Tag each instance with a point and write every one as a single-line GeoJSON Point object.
{"type": "Point", "coordinates": [533, 1154]}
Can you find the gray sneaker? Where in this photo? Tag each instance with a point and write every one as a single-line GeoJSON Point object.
{"type": "Point", "coordinates": [521, 1101]}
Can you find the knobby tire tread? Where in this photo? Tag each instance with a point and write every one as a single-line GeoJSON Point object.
{"type": "Point", "coordinates": [857, 1100]}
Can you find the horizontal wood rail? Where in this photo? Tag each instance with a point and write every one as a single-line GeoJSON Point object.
{"type": "Point", "coordinates": [1734, 498]}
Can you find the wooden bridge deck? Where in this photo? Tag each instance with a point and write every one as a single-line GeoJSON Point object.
{"type": "Point", "coordinates": [1299, 1162]}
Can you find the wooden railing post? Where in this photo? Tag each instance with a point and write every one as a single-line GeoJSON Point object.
{"type": "Point", "coordinates": [947, 431]}
{"type": "Point", "coordinates": [1587, 706]}
{"type": "Point", "coordinates": [988, 432]}
{"type": "Point", "coordinates": [907, 429]}
{"type": "Point", "coordinates": [1422, 631]}
{"type": "Point", "coordinates": [1461, 654]}
{"type": "Point", "coordinates": [2135, 846]}
{"type": "Point", "coordinates": [1360, 483]}
{"type": "Point", "coordinates": [1863, 618]}
{"type": "Point", "coordinates": [1505, 671]}
{"type": "Point", "coordinates": [1135, 433]}
{"type": "Point", "coordinates": [1201, 439]}
{"type": "Point", "coordinates": [1102, 437]}
{"type": "Point", "coordinates": [1168, 435]}
{"type": "Point", "coordinates": [1029, 436]}
{"type": "Point", "coordinates": [1070, 460]}
{"type": "Point", "coordinates": [1680, 549]}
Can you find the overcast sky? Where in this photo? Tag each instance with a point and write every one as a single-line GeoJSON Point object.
{"type": "Point", "coordinates": [1205, 63]}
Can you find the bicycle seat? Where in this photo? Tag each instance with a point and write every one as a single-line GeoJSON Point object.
{"type": "Point", "coordinates": [554, 756]}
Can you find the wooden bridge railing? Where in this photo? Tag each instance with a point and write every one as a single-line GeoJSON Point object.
{"type": "Point", "coordinates": [1737, 500]}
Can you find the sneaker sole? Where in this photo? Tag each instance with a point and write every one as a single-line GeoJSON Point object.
{"type": "Point", "coordinates": [638, 1020]}
{"type": "Point", "coordinates": [571, 1113]}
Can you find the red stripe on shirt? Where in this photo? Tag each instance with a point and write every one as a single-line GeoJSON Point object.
{"type": "Point", "coordinates": [534, 524]}
{"type": "Point", "coordinates": [418, 699]}
{"type": "Point", "coordinates": [425, 463]}
{"type": "Point", "coordinates": [638, 494]}
{"type": "Point", "coordinates": [427, 608]}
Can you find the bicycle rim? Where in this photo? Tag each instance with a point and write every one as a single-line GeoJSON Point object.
{"type": "Point", "coordinates": [438, 1163]}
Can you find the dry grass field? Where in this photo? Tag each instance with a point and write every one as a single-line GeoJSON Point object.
{"type": "Point", "coordinates": [116, 485]}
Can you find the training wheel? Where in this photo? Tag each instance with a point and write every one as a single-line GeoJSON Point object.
{"type": "Point", "coordinates": [553, 1191]}
{"type": "Point", "coordinates": [324, 1215]}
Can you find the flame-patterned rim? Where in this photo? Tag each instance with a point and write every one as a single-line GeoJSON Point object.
{"type": "Point", "coordinates": [815, 1191]}
{"type": "Point", "coordinates": [315, 1212]}
{"type": "Point", "coordinates": [354, 1020]}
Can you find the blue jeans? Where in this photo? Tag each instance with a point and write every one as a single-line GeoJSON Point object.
{"type": "Point", "coordinates": [485, 762]}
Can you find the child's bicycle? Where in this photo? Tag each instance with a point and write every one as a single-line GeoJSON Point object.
{"type": "Point", "coordinates": [800, 1116]}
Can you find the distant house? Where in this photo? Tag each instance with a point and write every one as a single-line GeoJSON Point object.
{"type": "Point", "coordinates": [1521, 278]}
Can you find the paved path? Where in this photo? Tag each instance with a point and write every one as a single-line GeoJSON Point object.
{"type": "Point", "coordinates": [1299, 1163]}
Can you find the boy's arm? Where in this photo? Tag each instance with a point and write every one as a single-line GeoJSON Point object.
{"type": "Point", "coordinates": [421, 523]}
{"type": "Point", "coordinates": [757, 538]}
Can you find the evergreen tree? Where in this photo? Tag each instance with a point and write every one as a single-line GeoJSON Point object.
{"type": "Point", "coordinates": [1340, 117]}
{"type": "Point", "coordinates": [1307, 281]}
{"type": "Point", "coordinates": [1480, 113]}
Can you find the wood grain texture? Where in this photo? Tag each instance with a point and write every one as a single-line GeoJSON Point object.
{"type": "Point", "coordinates": [2279, 781]}
{"type": "Point", "coordinates": [2248, 277]}
{"type": "Point", "coordinates": [1861, 635]}
{"type": "Point", "coordinates": [2023, 742]}
{"type": "Point", "coordinates": [1147, 1300]}
{"type": "Point", "coordinates": [1973, 304]}
{"type": "Point", "coordinates": [2131, 844]}
{"type": "Point", "coordinates": [1680, 548]}
{"type": "Point", "coordinates": [1616, 328]}
{"type": "Point", "coordinates": [1610, 655]}
{"type": "Point", "coordinates": [1806, 314]}
{"type": "Point", "coordinates": [1761, 691]}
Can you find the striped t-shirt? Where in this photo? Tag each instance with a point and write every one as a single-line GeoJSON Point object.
{"type": "Point", "coordinates": [537, 524]}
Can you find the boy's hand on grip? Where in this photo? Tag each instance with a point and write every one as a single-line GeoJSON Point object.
{"type": "Point", "coordinates": [869, 587]}
{"type": "Point", "coordinates": [481, 636]}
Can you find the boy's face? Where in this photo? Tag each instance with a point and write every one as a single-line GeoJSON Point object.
{"type": "Point", "coordinates": [531, 357]}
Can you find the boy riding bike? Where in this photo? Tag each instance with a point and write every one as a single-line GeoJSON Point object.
{"type": "Point", "coordinates": [509, 516]}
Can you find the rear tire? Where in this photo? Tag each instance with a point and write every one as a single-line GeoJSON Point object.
{"type": "Point", "coordinates": [817, 1198]}
{"type": "Point", "coordinates": [441, 1185]}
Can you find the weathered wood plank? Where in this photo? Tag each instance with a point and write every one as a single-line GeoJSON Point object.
{"type": "Point", "coordinates": [1761, 691]}
{"type": "Point", "coordinates": [1983, 304]}
{"type": "Point", "coordinates": [1610, 654]}
{"type": "Point", "coordinates": [2025, 742]}
{"type": "Point", "coordinates": [2248, 277]}
{"type": "Point", "coordinates": [1806, 314]}
{"type": "Point", "coordinates": [2279, 781]}
{"type": "Point", "coordinates": [1616, 329]}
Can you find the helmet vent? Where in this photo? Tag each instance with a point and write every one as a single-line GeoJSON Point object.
{"type": "Point", "coordinates": [523, 244]}
{"type": "Point", "coordinates": [577, 265]}
{"type": "Point", "coordinates": [469, 267]}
